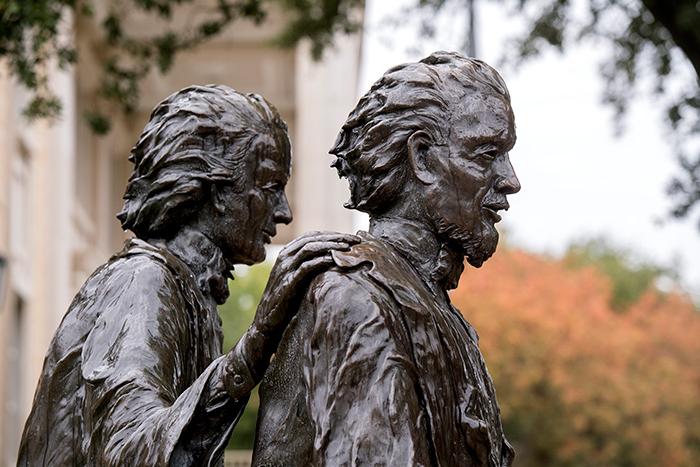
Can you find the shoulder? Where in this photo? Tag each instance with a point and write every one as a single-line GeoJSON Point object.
{"type": "Point", "coordinates": [341, 283]}
{"type": "Point", "coordinates": [364, 270]}
{"type": "Point", "coordinates": [138, 271]}
{"type": "Point", "coordinates": [345, 286]}
{"type": "Point", "coordinates": [145, 262]}
{"type": "Point", "coordinates": [133, 292]}
{"type": "Point", "coordinates": [139, 307]}
{"type": "Point", "coordinates": [341, 301]}
{"type": "Point", "coordinates": [119, 284]}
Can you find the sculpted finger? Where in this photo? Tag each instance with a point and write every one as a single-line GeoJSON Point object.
{"type": "Point", "coordinates": [338, 237]}
{"type": "Point", "coordinates": [272, 316]}
{"type": "Point", "coordinates": [313, 249]}
{"type": "Point", "coordinates": [312, 267]}
{"type": "Point", "coordinates": [299, 242]}
{"type": "Point", "coordinates": [294, 246]}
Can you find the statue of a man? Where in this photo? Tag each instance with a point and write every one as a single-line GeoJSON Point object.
{"type": "Point", "coordinates": [378, 367]}
{"type": "Point", "coordinates": [134, 374]}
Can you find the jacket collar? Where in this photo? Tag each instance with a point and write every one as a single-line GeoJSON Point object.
{"type": "Point", "coordinates": [435, 262]}
{"type": "Point", "coordinates": [204, 259]}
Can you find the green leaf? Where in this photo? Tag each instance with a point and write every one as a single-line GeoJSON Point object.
{"type": "Point", "coordinates": [98, 122]}
{"type": "Point", "coordinates": [43, 106]}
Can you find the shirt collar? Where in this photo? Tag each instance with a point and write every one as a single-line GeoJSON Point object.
{"type": "Point", "coordinates": [206, 261]}
{"type": "Point", "coordinates": [435, 261]}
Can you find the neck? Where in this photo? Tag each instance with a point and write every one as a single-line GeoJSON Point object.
{"type": "Point", "coordinates": [206, 261]}
{"type": "Point", "coordinates": [437, 263]}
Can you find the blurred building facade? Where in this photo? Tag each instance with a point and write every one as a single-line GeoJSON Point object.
{"type": "Point", "coordinates": [61, 185]}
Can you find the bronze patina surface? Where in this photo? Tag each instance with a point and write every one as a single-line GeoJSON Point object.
{"type": "Point", "coordinates": [134, 374]}
{"type": "Point", "coordinates": [377, 367]}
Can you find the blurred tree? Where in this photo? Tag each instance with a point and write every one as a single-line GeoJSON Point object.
{"type": "Point", "coordinates": [579, 384]}
{"type": "Point", "coordinates": [236, 315]}
{"type": "Point", "coordinates": [650, 38]}
{"type": "Point", "coordinates": [630, 278]}
{"type": "Point", "coordinates": [30, 39]}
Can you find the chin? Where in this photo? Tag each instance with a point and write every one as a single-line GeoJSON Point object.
{"type": "Point", "coordinates": [476, 246]}
{"type": "Point", "coordinates": [485, 247]}
{"type": "Point", "coordinates": [257, 255]}
{"type": "Point", "coordinates": [478, 255]}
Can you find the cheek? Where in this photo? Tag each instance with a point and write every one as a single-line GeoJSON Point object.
{"type": "Point", "coordinates": [257, 212]}
{"type": "Point", "coordinates": [468, 176]}
{"type": "Point", "coordinates": [445, 201]}
{"type": "Point", "coordinates": [463, 188]}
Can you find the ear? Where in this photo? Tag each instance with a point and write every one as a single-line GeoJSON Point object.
{"type": "Point", "coordinates": [217, 200]}
{"type": "Point", "coordinates": [419, 144]}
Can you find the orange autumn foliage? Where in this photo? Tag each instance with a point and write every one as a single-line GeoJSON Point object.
{"type": "Point", "coordinates": [580, 384]}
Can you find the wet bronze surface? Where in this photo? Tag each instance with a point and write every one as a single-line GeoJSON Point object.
{"type": "Point", "coordinates": [373, 364]}
{"type": "Point", "coordinates": [377, 367]}
{"type": "Point", "coordinates": [134, 374]}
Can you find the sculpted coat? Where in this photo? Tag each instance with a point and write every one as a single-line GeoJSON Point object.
{"type": "Point", "coordinates": [133, 375]}
{"type": "Point", "coordinates": [130, 374]}
{"type": "Point", "coordinates": [378, 368]}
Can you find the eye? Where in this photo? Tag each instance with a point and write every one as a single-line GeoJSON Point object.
{"type": "Point", "coordinates": [488, 154]}
{"type": "Point", "coordinates": [273, 187]}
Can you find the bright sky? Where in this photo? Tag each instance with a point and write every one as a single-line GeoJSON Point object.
{"type": "Point", "coordinates": [578, 179]}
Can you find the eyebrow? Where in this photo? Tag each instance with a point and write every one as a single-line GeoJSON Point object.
{"type": "Point", "coordinates": [271, 169]}
{"type": "Point", "coordinates": [489, 140]}
{"type": "Point", "coordinates": [497, 139]}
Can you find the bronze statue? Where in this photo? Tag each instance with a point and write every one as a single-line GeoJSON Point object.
{"type": "Point", "coordinates": [134, 374]}
{"type": "Point", "coordinates": [377, 367]}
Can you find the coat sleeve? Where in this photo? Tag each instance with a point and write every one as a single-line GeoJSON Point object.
{"type": "Point", "coordinates": [361, 386]}
{"type": "Point", "coordinates": [141, 407]}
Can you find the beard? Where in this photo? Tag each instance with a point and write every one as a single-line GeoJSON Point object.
{"type": "Point", "coordinates": [476, 245]}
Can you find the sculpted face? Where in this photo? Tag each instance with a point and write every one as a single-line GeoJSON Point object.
{"type": "Point", "coordinates": [248, 218]}
{"type": "Point", "coordinates": [473, 175]}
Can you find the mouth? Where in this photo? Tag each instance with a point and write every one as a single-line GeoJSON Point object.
{"type": "Point", "coordinates": [492, 209]}
{"type": "Point", "coordinates": [267, 236]}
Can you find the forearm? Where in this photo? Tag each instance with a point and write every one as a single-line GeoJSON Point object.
{"type": "Point", "coordinates": [226, 392]}
{"type": "Point", "coordinates": [134, 424]}
{"type": "Point", "coordinates": [216, 415]}
{"type": "Point", "coordinates": [247, 362]}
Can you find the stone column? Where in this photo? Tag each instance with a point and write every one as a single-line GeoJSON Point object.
{"type": "Point", "coordinates": [326, 91]}
{"type": "Point", "coordinates": [6, 319]}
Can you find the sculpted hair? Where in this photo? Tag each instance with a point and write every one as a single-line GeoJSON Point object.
{"type": "Point", "coordinates": [196, 138]}
{"type": "Point", "coordinates": [371, 149]}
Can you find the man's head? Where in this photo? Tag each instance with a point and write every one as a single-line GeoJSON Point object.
{"type": "Point", "coordinates": [435, 134]}
{"type": "Point", "coordinates": [216, 158]}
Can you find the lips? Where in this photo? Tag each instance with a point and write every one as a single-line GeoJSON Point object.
{"type": "Point", "coordinates": [492, 209]}
{"type": "Point", "coordinates": [267, 235]}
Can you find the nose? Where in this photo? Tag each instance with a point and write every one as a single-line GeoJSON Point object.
{"type": "Point", "coordinates": [283, 214]}
{"type": "Point", "coordinates": [507, 182]}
